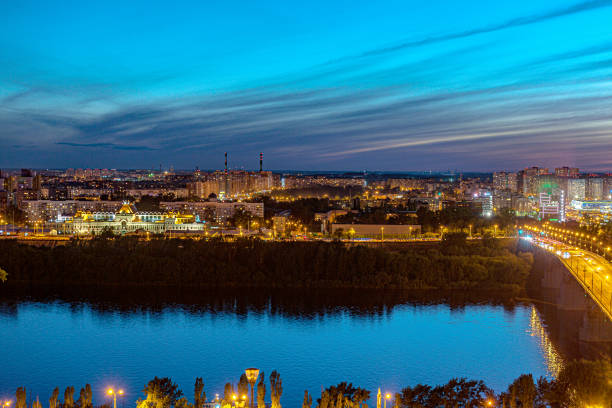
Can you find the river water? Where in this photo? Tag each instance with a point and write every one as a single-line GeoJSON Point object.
{"type": "Point", "coordinates": [314, 339]}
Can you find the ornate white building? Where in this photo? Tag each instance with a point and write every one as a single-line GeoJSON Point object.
{"type": "Point", "coordinates": [127, 220]}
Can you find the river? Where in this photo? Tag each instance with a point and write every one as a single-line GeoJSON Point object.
{"type": "Point", "coordinates": [373, 339]}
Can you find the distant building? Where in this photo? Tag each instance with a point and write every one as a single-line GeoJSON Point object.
{"type": "Point", "coordinates": [49, 210]}
{"type": "Point", "coordinates": [280, 222]}
{"type": "Point", "coordinates": [220, 210]}
{"type": "Point", "coordinates": [503, 181]}
{"type": "Point", "coordinates": [594, 188]}
{"type": "Point", "coordinates": [576, 189]}
{"type": "Point", "coordinates": [592, 206]}
{"type": "Point", "coordinates": [527, 180]}
{"type": "Point", "coordinates": [567, 172]}
{"type": "Point", "coordinates": [128, 221]}
{"type": "Point", "coordinates": [548, 207]}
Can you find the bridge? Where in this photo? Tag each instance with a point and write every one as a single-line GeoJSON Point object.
{"type": "Point", "coordinates": [590, 270]}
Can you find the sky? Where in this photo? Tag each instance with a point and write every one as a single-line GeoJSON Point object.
{"type": "Point", "coordinates": [398, 85]}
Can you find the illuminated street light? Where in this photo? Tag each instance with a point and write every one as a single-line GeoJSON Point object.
{"type": "Point", "coordinates": [114, 394]}
{"type": "Point", "coordinates": [251, 375]}
{"type": "Point", "coordinates": [387, 397]}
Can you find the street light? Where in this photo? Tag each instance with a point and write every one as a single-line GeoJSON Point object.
{"type": "Point", "coordinates": [251, 375]}
{"type": "Point", "coordinates": [387, 397]}
{"type": "Point", "coordinates": [114, 394]}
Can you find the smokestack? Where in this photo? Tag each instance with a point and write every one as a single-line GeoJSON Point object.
{"type": "Point", "coordinates": [260, 162]}
{"type": "Point", "coordinates": [226, 162]}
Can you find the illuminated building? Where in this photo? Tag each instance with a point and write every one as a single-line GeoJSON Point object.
{"type": "Point", "coordinates": [594, 188]}
{"type": "Point", "coordinates": [567, 172]}
{"type": "Point", "coordinates": [562, 206]}
{"type": "Point", "coordinates": [127, 220]}
{"type": "Point", "coordinates": [548, 207]}
{"type": "Point", "coordinates": [592, 206]}
{"type": "Point", "coordinates": [527, 180]}
{"type": "Point", "coordinates": [576, 189]}
{"type": "Point", "coordinates": [219, 210]}
{"type": "Point", "coordinates": [48, 210]}
{"type": "Point", "coordinates": [505, 181]}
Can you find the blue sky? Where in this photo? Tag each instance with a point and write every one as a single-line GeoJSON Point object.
{"type": "Point", "coordinates": [318, 85]}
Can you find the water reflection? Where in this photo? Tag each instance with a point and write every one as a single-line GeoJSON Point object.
{"type": "Point", "coordinates": [554, 361]}
{"type": "Point", "coordinates": [568, 323]}
{"type": "Point", "coordinates": [304, 304]}
{"type": "Point", "coordinates": [314, 338]}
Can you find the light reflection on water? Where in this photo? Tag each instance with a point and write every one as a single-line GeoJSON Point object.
{"type": "Point", "coordinates": [314, 339]}
{"type": "Point", "coordinates": [554, 361]}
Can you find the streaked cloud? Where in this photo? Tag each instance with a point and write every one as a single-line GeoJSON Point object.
{"type": "Point", "coordinates": [460, 99]}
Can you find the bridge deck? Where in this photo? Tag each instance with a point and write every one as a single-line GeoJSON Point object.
{"type": "Point", "coordinates": [591, 271]}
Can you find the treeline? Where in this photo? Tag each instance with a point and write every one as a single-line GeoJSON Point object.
{"type": "Point", "coordinates": [454, 264]}
{"type": "Point", "coordinates": [579, 384]}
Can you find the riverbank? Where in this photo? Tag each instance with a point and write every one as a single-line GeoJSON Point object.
{"type": "Point", "coordinates": [453, 264]}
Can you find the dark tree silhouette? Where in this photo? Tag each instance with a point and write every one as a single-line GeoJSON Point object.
{"type": "Point", "coordinates": [199, 395]}
{"type": "Point", "coordinates": [20, 397]}
{"type": "Point", "coordinates": [276, 389]}
{"type": "Point", "coordinates": [69, 397]}
{"type": "Point", "coordinates": [53, 399]}
{"type": "Point", "coordinates": [261, 391]}
{"type": "Point", "coordinates": [160, 393]}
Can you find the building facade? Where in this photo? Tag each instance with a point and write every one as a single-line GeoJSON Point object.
{"type": "Point", "coordinates": [128, 221]}
{"type": "Point", "coordinates": [219, 210]}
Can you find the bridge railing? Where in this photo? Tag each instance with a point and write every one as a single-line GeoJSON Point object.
{"type": "Point", "coordinates": [593, 284]}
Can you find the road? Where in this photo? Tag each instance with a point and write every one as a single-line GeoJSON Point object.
{"type": "Point", "coordinates": [592, 271]}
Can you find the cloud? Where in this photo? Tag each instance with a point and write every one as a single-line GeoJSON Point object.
{"type": "Point", "coordinates": [512, 23]}
{"type": "Point", "coordinates": [105, 145]}
{"type": "Point", "coordinates": [355, 111]}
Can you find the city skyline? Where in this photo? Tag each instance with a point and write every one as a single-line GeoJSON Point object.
{"type": "Point", "coordinates": [408, 87]}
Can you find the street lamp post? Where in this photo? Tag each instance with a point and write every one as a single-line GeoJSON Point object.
{"type": "Point", "coordinates": [114, 394]}
{"type": "Point", "coordinates": [387, 397]}
{"type": "Point", "coordinates": [252, 374]}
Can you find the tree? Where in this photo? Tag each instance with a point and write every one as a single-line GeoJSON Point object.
{"type": "Point", "coordinates": [276, 389]}
{"type": "Point", "coordinates": [521, 393]}
{"type": "Point", "coordinates": [69, 397]}
{"type": "Point", "coordinates": [454, 243]}
{"type": "Point", "coordinates": [324, 401]}
{"type": "Point", "coordinates": [107, 233]}
{"type": "Point", "coordinates": [53, 399]}
{"type": "Point", "coordinates": [3, 275]}
{"type": "Point", "coordinates": [199, 394]}
{"type": "Point", "coordinates": [261, 391]}
{"type": "Point", "coordinates": [85, 397]}
{"type": "Point", "coordinates": [307, 400]}
{"type": "Point", "coordinates": [160, 393]}
{"type": "Point", "coordinates": [20, 397]}
{"type": "Point", "coordinates": [418, 396]}
{"type": "Point", "coordinates": [338, 234]}
{"type": "Point", "coordinates": [344, 395]}
{"type": "Point", "coordinates": [228, 394]}
{"type": "Point", "coordinates": [585, 383]}
{"type": "Point", "coordinates": [243, 386]}
{"type": "Point", "coordinates": [36, 404]}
